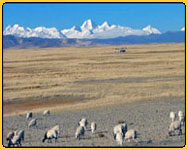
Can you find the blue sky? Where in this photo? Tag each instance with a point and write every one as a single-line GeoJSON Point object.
{"type": "Point", "coordinates": [165, 17]}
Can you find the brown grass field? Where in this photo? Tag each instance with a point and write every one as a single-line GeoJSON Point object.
{"type": "Point", "coordinates": [74, 78]}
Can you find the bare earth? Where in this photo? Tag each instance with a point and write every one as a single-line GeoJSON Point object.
{"type": "Point", "coordinates": [140, 86]}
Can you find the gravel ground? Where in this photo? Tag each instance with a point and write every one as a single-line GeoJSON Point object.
{"type": "Point", "coordinates": [149, 118]}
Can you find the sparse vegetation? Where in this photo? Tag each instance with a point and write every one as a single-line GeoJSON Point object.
{"type": "Point", "coordinates": [91, 76]}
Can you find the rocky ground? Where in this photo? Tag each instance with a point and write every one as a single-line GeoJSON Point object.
{"type": "Point", "coordinates": [150, 118]}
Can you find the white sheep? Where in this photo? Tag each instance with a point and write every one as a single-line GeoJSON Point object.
{"type": "Point", "coordinates": [46, 113]}
{"type": "Point", "coordinates": [83, 123]}
{"type": "Point", "coordinates": [93, 127]}
{"type": "Point", "coordinates": [32, 123]}
{"type": "Point", "coordinates": [172, 116]}
{"type": "Point", "coordinates": [117, 129]}
{"type": "Point", "coordinates": [79, 132]}
{"type": "Point", "coordinates": [130, 134]}
{"type": "Point", "coordinates": [29, 115]}
{"type": "Point", "coordinates": [119, 138]}
{"type": "Point", "coordinates": [50, 134]}
{"type": "Point", "coordinates": [16, 138]}
{"type": "Point", "coordinates": [175, 125]}
{"type": "Point", "coordinates": [181, 117]}
{"type": "Point", "coordinates": [121, 128]}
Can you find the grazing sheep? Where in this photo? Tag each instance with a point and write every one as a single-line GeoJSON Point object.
{"type": "Point", "coordinates": [93, 127]}
{"type": "Point", "coordinates": [46, 113]}
{"type": "Point", "coordinates": [117, 129]}
{"type": "Point", "coordinates": [83, 123]}
{"type": "Point", "coordinates": [130, 134]}
{"type": "Point", "coordinates": [79, 132]}
{"type": "Point", "coordinates": [15, 138]}
{"type": "Point", "coordinates": [121, 128]}
{"type": "Point", "coordinates": [50, 134]}
{"type": "Point", "coordinates": [172, 116]}
{"type": "Point", "coordinates": [119, 138]}
{"type": "Point", "coordinates": [10, 135]}
{"type": "Point", "coordinates": [29, 115]}
{"type": "Point", "coordinates": [181, 117]}
{"type": "Point", "coordinates": [32, 123]}
{"type": "Point", "coordinates": [175, 125]}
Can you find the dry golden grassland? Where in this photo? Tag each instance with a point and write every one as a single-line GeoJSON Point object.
{"type": "Point", "coordinates": [91, 76]}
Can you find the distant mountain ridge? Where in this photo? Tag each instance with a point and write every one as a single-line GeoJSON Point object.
{"type": "Point", "coordinates": [88, 30]}
{"type": "Point", "coordinates": [10, 41]}
{"type": "Point", "coordinates": [88, 34]}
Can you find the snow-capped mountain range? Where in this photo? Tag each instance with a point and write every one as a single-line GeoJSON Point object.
{"type": "Point", "coordinates": [88, 30]}
{"type": "Point", "coordinates": [41, 32]}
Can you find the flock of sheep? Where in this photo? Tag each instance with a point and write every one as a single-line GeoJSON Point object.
{"type": "Point", "coordinates": [120, 131]}
{"type": "Point", "coordinates": [176, 124]}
